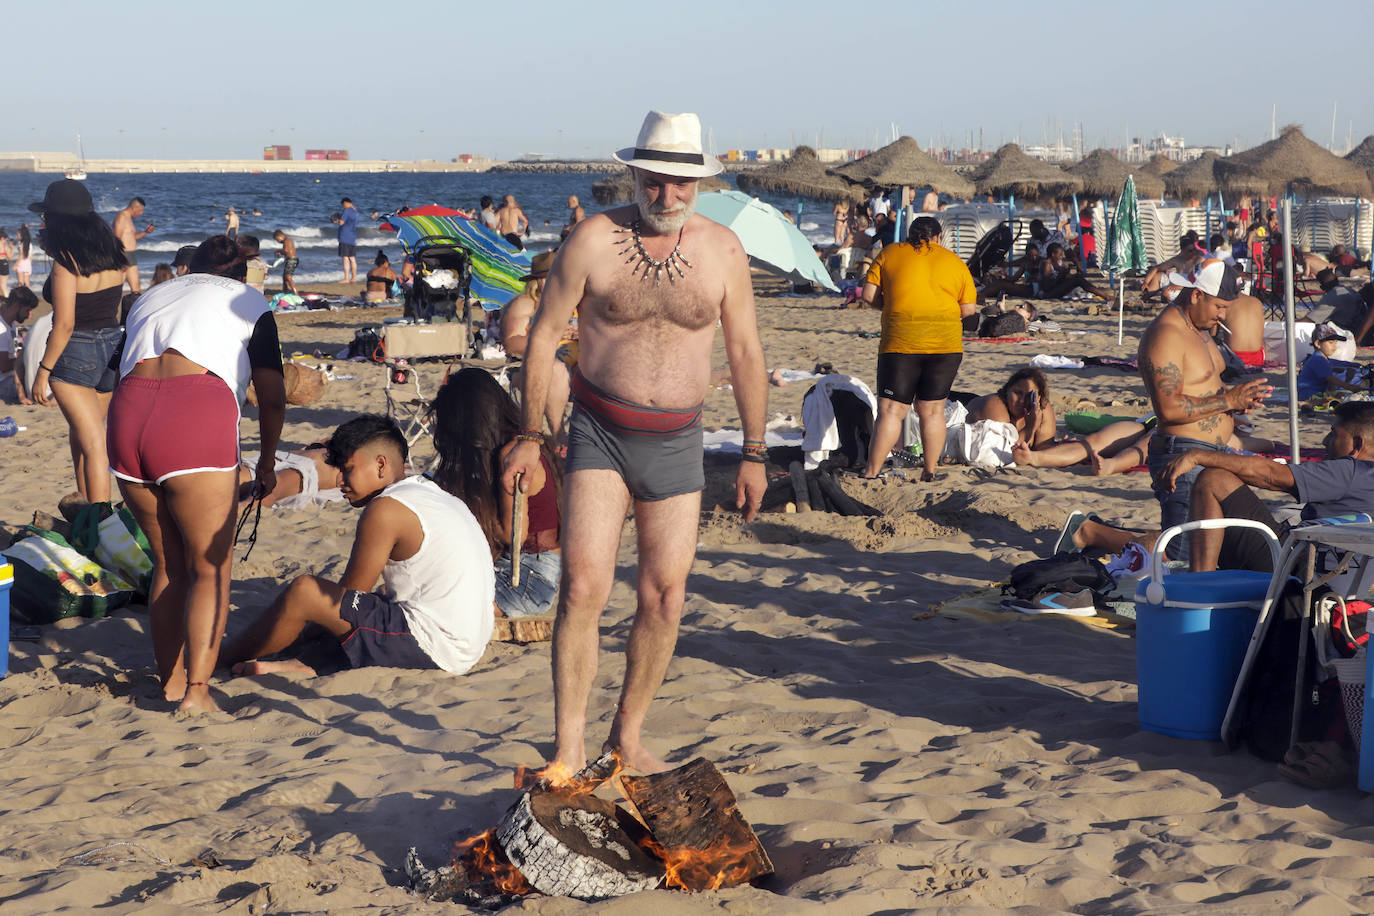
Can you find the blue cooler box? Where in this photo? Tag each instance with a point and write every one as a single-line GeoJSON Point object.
{"type": "Point", "coordinates": [1190, 645]}
{"type": "Point", "coordinates": [6, 582]}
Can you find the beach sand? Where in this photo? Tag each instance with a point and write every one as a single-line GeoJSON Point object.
{"type": "Point", "coordinates": [891, 759]}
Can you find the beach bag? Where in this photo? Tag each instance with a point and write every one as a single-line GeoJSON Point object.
{"type": "Point", "coordinates": [1349, 625]}
{"type": "Point", "coordinates": [114, 539]}
{"type": "Point", "coordinates": [1003, 324]}
{"type": "Point", "coordinates": [955, 414]}
{"type": "Point", "coordinates": [367, 343]}
{"type": "Point", "coordinates": [53, 580]}
{"type": "Point", "coordinates": [1063, 572]}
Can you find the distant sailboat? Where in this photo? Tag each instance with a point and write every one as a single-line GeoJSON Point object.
{"type": "Point", "coordinates": [78, 173]}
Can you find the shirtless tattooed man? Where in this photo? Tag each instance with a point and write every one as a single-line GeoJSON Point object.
{"type": "Point", "coordinates": [649, 281]}
{"type": "Point", "coordinates": [1181, 368]}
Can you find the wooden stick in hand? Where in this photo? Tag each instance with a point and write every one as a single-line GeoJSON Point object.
{"type": "Point", "coordinates": [517, 529]}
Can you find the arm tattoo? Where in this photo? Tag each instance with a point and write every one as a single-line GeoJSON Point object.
{"type": "Point", "coordinates": [1168, 379]}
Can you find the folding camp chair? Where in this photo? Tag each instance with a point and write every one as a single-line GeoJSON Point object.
{"type": "Point", "coordinates": [414, 415]}
{"type": "Point", "coordinates": [1346, 553]}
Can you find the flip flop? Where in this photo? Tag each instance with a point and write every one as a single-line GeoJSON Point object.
{"type": "Point", "coordinates": [1071, 525]}
{"type": "Point", "coordinates": [1318, 765]}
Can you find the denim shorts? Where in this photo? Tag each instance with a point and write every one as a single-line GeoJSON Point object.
{"type": "Point", "coordinates": [91, 359]}
{"type": "Point", "coordinates": [539, 575]}
{"type": "Point", "coordinates": [1174, 504]}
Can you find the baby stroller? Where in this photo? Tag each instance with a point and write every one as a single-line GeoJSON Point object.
{"type": "Point", "coordinates": [991, 251]}
{"type": "Point", "coordinates": [443, 277]}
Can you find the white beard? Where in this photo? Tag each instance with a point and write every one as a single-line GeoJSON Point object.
{"type": "Point", "coordinates": [659, 220]}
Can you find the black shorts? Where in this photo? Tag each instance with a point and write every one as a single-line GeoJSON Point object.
{"type": "Point", "coordinates": [908, 377]}
{"type": "Point", "coordinates": [380, 636]}
{"type": "Point", "coordinates": [516, 241]}
{"type": "Point", "coordinates": [1245, 548]}
{"type": "Point", "coordinates": [347, 251]}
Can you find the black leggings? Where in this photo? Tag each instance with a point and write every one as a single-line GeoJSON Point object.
{"type": "Point", "coordinates": [908, 377]}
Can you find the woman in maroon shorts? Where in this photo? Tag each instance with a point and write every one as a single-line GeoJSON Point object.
{"type": "Point", "coordinates": [192, 346]}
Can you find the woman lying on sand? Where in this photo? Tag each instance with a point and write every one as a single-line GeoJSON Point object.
{"type": "Point", "coordinates": [1024, 401]}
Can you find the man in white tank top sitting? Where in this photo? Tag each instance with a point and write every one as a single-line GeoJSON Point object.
{"type": "Point", "coordinates": [434, 609]}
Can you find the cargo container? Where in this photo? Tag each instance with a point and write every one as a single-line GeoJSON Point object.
{"type": "Point", "coordinates": [276, 151]}
{"type": "Point", "coordinates": [314, 154]}
{"type": "Point", "coordinates": [336, 154]}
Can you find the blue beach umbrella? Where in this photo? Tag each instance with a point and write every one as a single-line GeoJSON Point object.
{"type": "Point", "coordinates": [770, 239]}
{"type": "Point", "coordinates": [496, 266]}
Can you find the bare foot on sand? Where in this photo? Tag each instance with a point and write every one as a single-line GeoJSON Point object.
{"type": "Point", "coordinates": [198, 700]}
{"type": "Point", "coordinates": [174, 688]}
{"type": "Point", "coordinates": [253, 668]}
{"type": "Point", "coordinates": [775, 378]}
{"type": "Point", "coordinates": [1022, 454]}
{"type": "Point", "coordinates": [637, 758]}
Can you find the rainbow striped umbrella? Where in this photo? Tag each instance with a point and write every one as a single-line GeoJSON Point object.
{"type": "Point", "coordinates": [496, 266]}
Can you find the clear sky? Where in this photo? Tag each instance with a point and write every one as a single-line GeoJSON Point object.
{"type": "Point", "coordinates": [432, 80]}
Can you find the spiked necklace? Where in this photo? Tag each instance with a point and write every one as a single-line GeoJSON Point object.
{"type": "Point", "coordinates": [643, 263]}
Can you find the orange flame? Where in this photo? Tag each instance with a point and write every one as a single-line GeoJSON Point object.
{"type": "Point", "coordinates": [691, 869]}
{"type": "Point", "coordinates": [556, 777]}
{"type": "Point", "coordinates": [483, 859]}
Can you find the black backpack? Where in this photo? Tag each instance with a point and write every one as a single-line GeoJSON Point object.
{"type": "Point", "coordinates": [1065, 572]}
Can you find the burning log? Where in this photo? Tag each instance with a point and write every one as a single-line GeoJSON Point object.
{"type": "Point", "coordinates": [577, 846]}
{"type": "Point", "coordinates": [704, 841]}
{"type": "Point", "coordinates": [561, 840]}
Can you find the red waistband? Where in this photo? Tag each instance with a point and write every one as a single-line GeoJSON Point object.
{"type": "Point", "coordinates": [628, 417]}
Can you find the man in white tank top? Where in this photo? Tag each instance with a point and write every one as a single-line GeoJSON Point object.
{"type": "Point", "coordinates": [435, 608]}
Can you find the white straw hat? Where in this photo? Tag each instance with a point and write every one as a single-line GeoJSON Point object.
{"type": "Point", "coordinates": [670, 144]}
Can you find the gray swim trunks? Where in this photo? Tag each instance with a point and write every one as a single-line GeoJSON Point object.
{"type": "Point", "coordinates": [657, 452]}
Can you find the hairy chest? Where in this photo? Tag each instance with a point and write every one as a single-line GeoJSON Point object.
{"type": "Point", "coordinates": [622, 296]}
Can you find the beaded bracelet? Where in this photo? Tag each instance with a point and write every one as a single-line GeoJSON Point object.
{"type": "Point", "coordinates": [529, 437]}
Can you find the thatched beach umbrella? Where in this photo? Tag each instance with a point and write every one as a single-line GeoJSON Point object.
{"type": "Point", "coordinates": [1363, 155]}
{"type": "Point", "coordinates": [620, 188]}
{"type": "Point", "coordinates": [902, 164]}
{"type": "Point", "coordinates": [1103, 176]}
{"type": "Point", "coordinates": [1193, 179]}
{"type": "Point", "coordinates": [802, 174]}
{"type": "Point", "coordinates": [1009, 170]}
{"type": "Point", "coordinates": [1292, 159]}
{"type": "Point", "coordinates": [1159, 165]}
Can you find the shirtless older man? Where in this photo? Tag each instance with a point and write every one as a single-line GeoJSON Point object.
{"type": "Point", "coordinates": [125, 232]}
{"type": "Point", "coordinates": [512, 223]}
{"type": "Point", "coordinates": [1181, 367]}
{"type": "Point", "coordinates": [649, 281]}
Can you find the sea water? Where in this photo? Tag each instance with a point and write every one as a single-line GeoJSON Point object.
{"type": "Point", "coordinates": [187, 208]}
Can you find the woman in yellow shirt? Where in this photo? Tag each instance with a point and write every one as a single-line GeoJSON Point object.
{"type": "Point", "coordinates": [924, 291]}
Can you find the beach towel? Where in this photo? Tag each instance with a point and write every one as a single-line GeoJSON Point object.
{"type": "Point", "coordinates": [310, 494]}
{"type": "Point", "coordinates": [1045, 361]}
{"type": "Point", "coordinates": [998, 339]}
{"type": "Point", "coordinates": [984, 444]}
{"type": "Point", "coordinates": [116, 542]}
{"type": "Point", "coordinates": [1112, 362]}
{"type": "Point", "coordinates": [53, 580]}
{"type": "Point", "coordinates": [822, 433]}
